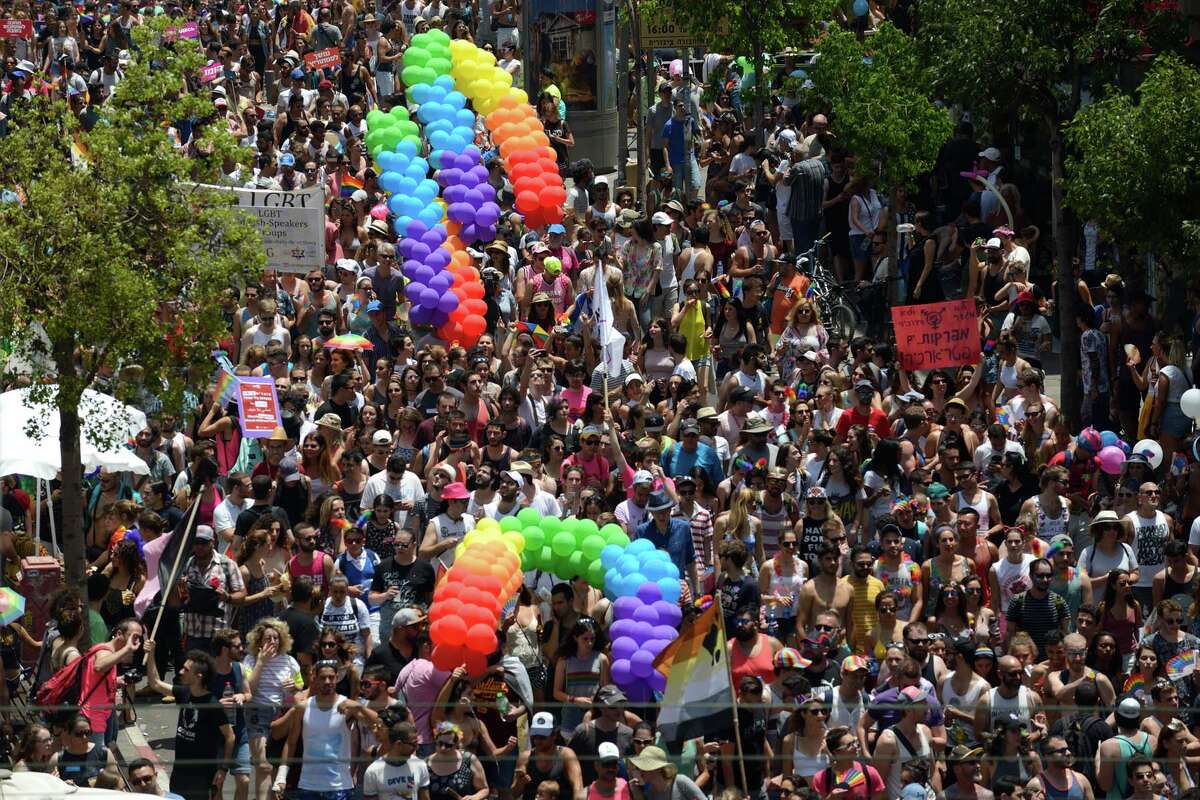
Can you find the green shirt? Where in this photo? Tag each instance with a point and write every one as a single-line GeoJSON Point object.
{"type": "Point", "coordinates": [96, 627]}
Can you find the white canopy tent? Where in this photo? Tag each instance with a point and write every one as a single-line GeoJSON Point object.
{"type": "Point", "coordinates": [105, 425]}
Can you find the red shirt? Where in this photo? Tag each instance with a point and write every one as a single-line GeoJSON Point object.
{"type": "Point", "coordinates": [875, 421]}
{"type": "Point", "coordinates": [861, 790]}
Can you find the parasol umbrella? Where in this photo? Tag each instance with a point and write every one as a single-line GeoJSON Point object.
{"type": "Point", "coordinates": [349, 341]}
{"type": "Point", "coordinates": [12, 606]}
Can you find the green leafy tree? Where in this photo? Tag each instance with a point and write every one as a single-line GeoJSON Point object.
{"type": "Point", "coordinates": [115, 261]}
{"type": "Point", "coordinates": [875, 90]}
{"type": "Point", "coordinates": [1134, 165]}
{"type": "Point", "coordinates": [1035, 59]}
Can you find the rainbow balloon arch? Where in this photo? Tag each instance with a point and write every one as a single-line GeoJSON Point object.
{"type": "Point", "coordinates": [641, 581]}
{"type": "Point", "coordinates": [437, 218]}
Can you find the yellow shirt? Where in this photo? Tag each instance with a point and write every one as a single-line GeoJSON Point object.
{"type": "Point", "coordinates": [863, 614]}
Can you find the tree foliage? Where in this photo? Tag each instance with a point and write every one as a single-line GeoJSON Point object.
{"type": "Point", "coordinates": [876, 91]}
{"type": "Point", "coordinates": [1135, 162]}
{"type": "Point", "coordinates": [115, 260]}
{"type": "Point", "coordinates": [732, 26]}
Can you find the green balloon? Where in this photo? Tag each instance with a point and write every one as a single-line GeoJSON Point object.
{"type": "Point", "coordinates": [586, 527]}
{"type": "Point", "coordinates": [527, 563]}
{"type": "Point", "coordinates": [439, 65]}
{"type": "Point", "coordinates": [416, 57]}
{"type": "Point", "coordinates": [529, 516]}
{"type": "Point", "coordinates": [563, 544]}
{"type": "Point", "coordinates": [618, 538]}
{"type": "Point", "coordinates": [535, 537]}
{"type": "Point", "coordinates": [409, 128]}
{"type": "Point", "coordinates": [411, 75]}
{"type": "Point", "coordinates": [577, 565]}
{"type": "Point", "coordinates": [438, 35]}
{"type": "Point", "coordinates": [591, 547]}
{"type": "Point", "coordinates": [399, 112]}
{"type": "Point", "coordinates": [512, 524]}
{"type": "Point", "coordinates": [595, 574]}
{"type": "Point", "coordinates": [551, 525]}
{"type": "Point", "coordinates": [390, 137]}
{"type": "Point", "coordinates": [416, 141]}
{"type": "Point", "coordinates": [377, 119]}
{"type": "Point", "coordinates": [546, 559]}
{"type": "Point", "coordinates": [421, 40]}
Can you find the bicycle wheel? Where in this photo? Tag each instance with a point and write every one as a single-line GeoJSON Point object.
{"type": "Point", "coordinates": [843, 319]}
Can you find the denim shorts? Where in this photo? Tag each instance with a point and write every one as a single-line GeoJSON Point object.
{"type": "Point", "coordinates": [860, 247]}
{"type": "Point", "coordinates": [258, 720]}
{"type": "Point", "coordinates": [309, 794]}
{"type": "Point", "coordinates": [241, 759]}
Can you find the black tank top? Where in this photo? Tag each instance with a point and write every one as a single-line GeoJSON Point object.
{"type": "Point", "coordinates": [537, 775]}
{"type": "Point", "coordinates": [837, 220]}
{"type": "Point", "coordinates": [992, 284]}
{"type": "Point", "coordinates": [82, 769]}
{"type": "Point", "coordinates": [1172, 587]}
{"type": "Point", "coordinates": [454, 785]}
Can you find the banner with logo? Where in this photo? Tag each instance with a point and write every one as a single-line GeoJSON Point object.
{"type": "Point", "coordinates": [933, 335]}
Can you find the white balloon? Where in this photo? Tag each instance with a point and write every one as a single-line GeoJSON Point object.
{"type": "Point", "coordinates": [1152, 450]}
{"type": "Point", "coordinates": [1190, 403]}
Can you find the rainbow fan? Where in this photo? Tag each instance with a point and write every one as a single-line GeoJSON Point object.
{"type": "Point", "coordinates": [1134, 683]}
{"type": "Point", "coordinates": [1182, 665]}
{"type": "Point", "coordinates": [349, 341]}
{"type": "Point", "coordinates": [852, 777]}
{"type": "Point", "coordinates": [350, 185]}
{"type": "Point", "coordinates": [540, 337]}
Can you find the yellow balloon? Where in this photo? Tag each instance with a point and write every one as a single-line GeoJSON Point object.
{"type": "Point", "coordinates": [515, 541]}
{"type": "Point", "coordinates": [484, 106]}
{"type": "Point", "coordinates": [487, 523]}
{"type": "Point", "coordinates": [460, 549]}
{"type": "Point", "coordinates": [521, 96]}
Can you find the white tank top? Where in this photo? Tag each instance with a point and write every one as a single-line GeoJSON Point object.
{"type": "Point", "coordinates": [326, 764]}
{"type": "Point", "coordinates": [447, 528]}
{"type": "Point", "coordinates": [903, 756]}
{"type": "Point", "coordinates": [1049, 527]}
{"type": "Point", "coordinates": [980, 506]}
{"type": "Point", "coordinates": [1002, 706]}
{"type": "Point", "coordinates": [843, 713]}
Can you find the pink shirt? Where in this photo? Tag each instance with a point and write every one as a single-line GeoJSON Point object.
{"type": "Point", "coordinates": [621, 792]}
{"type": "Point", "coordinates": [419, 683]}
{"type": "Point", "coordinates": [594, 471]}
{"type": "Point", "coordinates": [576, 400]}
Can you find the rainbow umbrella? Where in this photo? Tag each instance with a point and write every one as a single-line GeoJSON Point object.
{"type": "Point", "coordinates": [349, 341]}
{"type": "Point", "coordinates": [12, 606]}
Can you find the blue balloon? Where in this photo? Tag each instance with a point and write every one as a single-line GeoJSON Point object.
{"type": "Point", "coordinates": [430, 215]}
{"type": "Point", "coordinates": [657, 570]}
{"type": "Point", "coordinates": [445, 83]}
{"type": "Point", "coordinates": [407, 148]}
{"type": "Point", "coordinates": [1107, 438]}
{"type": "Point", "coordinates": [628, 563]}
{"type": "Point", "coordinates": [639, 546]}
{"type": "Point", "coordinates": [419, 93]}
{"type": "Point", "coordinates": [612, 580]}
{"type": "Point", "coordinates": [861, 8]}
{"type": "Point", "coordinates": [390, 181]}
{"type": "Point", "coordinates": [465, 118]}
{"type": "Point", "coordinates": [609, 555]}
{"type": "Point", "coordinates": [457, 100]}
{"type": "Point", "coordinates": [670, 589]}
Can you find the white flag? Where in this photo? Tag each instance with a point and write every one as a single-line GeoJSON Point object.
{"type": "Point", "coordinates": [612, 342]}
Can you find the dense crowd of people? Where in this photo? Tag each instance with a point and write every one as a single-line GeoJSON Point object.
{"type": "Point", "coordinates": [934, 584]}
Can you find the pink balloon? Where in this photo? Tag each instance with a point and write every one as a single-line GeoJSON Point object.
{"type": "Point", "coordinates": [1111, 458]}
{"type": "Point", "coordinates": [379, 212]}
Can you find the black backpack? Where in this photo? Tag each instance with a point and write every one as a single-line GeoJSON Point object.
{"type": "Point", "coordinates": [1084, 744]}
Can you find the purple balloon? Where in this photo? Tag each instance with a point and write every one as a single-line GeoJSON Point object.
{"type": "Point", "coordinates": [621, 673]}
{"type": "Point", "coordinates": [405, 247]}
{"type": "Point", "coordinates": [656, 646]}
{"type": "Point", "coordinates": [447, 302]}
{"type": "Point", "coordinates": [480, 172]}
{"type": "Point", "coordinates": [623, 607]}
{"type": "Point", "coordinates": [413, 291]}
{"type": "Point", "coordinates": [416, 228]}
{"type": "Point", "coordinates": [642, 632]}
{"type": "Point", "coordinates": [431, 239]}
{"type": "Point", "coordinates": [648, 593]}
{"type": "Point", "coordinates": [668, 613]}
{"type": "Point", "coordinates": [453, 193]}
{"type": "Point", "coordinates": [485, 233]}
{"type": "Point", "coordinates": [441, 281]}
{"type": "Point", "coordinates": [622, 627]}
{"type": "Point", "coordinates": [624, 648]}
{"type": "Point", "coordinates": [419, 251]}
{"type": "Point", "coordinates": [487, 215]}
{"type": "Point", "coordinates": [474, 197]}
{"type": "Point", "coordinates": [410, 268]}
{"type": "Point", "coordinates": [658, 682]}
{"type": "Point", "coordinates": [665, 632]}
{"type": "Point", "coordinates": [471, 234]}
{"type": "Point", "coordinates": [642, 664]}
{"type": "Point", "coordinates": [439, 259]}
{"type": "Point", "coordinates": [424, 274]}
{"type": "Point", "coordinates": [473, 152]}
{"type": "Point", "coordinates": [438, 318]}
{"type": "Point", "coordinates": [487, 191]}
{"type": "Point", "coordinates": [460, 212]}
{"type": "Point", "coordinates": [646, 614]}
{"type": "Point", "coordinates": [430, 298]}
{"type": "Point", "coordinates": [470, 180]}
{"type": "Point", "coordinates": [419, 316]}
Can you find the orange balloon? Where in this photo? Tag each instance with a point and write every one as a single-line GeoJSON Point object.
{"type": "Point", "coordinates": [510, 146]}
{"type": "Point", "coordinates": [474, 290]}
{"type": "Point", "coordinates": [470, 273]}
{"type": "Point", "coordinates": [540, 137]}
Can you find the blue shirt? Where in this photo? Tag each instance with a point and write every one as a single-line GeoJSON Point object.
{"type": "Point", "coordinates": [677, 541]}
{"type": "Point", "coordinates": [677, 461]}
{"type": "Point", "coordinates": [673, 135]}
{"type": "Point", "coordinates": [360, 577]}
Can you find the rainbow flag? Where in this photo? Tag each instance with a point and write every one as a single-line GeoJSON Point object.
{"type": "Point", "coordinates": [350, 185]}
{"type": "Point", "coordinates": [227, 387]}
{"type": "Point", "coordinates": [698, 696]}
{"type": "Point", "coordinates": [1182, 665]}
{"type": "Point", "coordinates": [852, 777]}
{"type": "Point", "coordinates": [1134, 683]}
{"type": "Point", "coordinates": [722, 287]}
{"type": "Point", "coordinates": [540, 337]}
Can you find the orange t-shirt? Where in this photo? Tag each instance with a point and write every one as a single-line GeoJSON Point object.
{"type": "Point", "coordinates": [786, 295]}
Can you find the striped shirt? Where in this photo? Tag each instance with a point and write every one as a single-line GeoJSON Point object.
{"type": "Point", "coordinates": [775, 523]}
{"type": "Point", "coordinates": [700, 521]}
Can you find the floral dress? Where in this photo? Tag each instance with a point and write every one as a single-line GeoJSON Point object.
{"type": "Point", "coordinates": [639, 263]}
{"type": "Point", "coordinates": [900, 582]}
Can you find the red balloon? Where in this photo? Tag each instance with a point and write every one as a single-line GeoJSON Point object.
{"type": "Point", "coordinates": [458, 314]}
{"type": "Point", "coordinates": [448, 657]}
{"type": "Point", "coordinates": [476, 663]}
{"type": "Point", "coordinates": [450, 332]}
{"type": "Point", "coordinates": [454, 631]}
{"type": "Point", "coordinates": [475, 307]}
{"type": "Point", "coordinates": [490, 584]}
{"type": "Point", "coordinates": [476, 615]}
{"type": "Point", "coordinates": [474, 325]}
{"type": "Point", "coordinates": [548, 166]}
{"type": "Point", "coordinates": [523, 170]}
{"type": "Point", "coordinates": [552, 214]}
{"type": "Point", "coordinates": [526, 202]}
{"type": "Point", "coordinates": [548, 197]}
{"type": "Point", "coordinates": [474, 290]}
{"type": "Point", "coordinates": [481, 639]}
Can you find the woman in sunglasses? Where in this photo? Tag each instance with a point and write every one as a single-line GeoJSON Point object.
{"type": "Point", "coordinates": [804, 742]}
{"type": "Point", "coordinates": [453, 773]}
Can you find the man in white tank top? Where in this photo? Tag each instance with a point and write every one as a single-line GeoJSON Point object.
{"type": "Point", "coordinates": [1148, 530]}
{"type": "Point", "coordinates": [1010, 697]}
{"type": "Point", "coordinates": [324, 720]}
{"type": "Point", "coordinates": [971, 495]}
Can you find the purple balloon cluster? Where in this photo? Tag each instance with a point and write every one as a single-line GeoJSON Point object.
{"type": "Point", "coordinates": [643, 626]}
{"type": "Point", "coordinates": [470, 199]}
{"type": "Point", "coordinates": [425, 262]}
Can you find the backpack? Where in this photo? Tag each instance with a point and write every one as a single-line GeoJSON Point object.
{"type": "Point", "coordinates": [1084, 745]}
{"type": "Point", "coordinates": [62, 688]}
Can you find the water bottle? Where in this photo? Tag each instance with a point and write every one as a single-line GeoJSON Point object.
{"type": "Point", "coordinates": [502, 703]}
{"type": "Point", "coordinates": [772, 624]}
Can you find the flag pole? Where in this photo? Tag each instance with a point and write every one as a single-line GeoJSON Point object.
{"type": "Point", "coordinates": [737, 731]}
{"type": "Point", "coordinates": [166, 590]}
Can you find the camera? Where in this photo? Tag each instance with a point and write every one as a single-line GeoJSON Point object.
{"type": "Point", "coordinates": [133, 674]}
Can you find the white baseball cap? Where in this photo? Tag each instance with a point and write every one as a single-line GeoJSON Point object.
{"type": "Point", "coordinates": [542, 725]}
{"type": "Point", "coordinates": [991, 154]}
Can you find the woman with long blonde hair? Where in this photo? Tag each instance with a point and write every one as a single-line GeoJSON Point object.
{"type": "Point", "coordinates": [803, 332]}
{"type": "Point", "coordinates": [318, 462]}
{"type": "Point", "coordinates": [1165, 379]}
{"type": "Point", "coordinates": [740, 524]}
{"type": "Point", "coordinates": [271, 673]}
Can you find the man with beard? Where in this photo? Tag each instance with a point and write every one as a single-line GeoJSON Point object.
{"type": "Point", "coordinates": [310, 562]}
{"type": "Point", "coordinates": [1037, 610]}
{"type": "Point", "coordinates": [824, 592]}
{"type": "Point", "coordinates": [401, 580]}
{"type": "Point", "coordinates": [916, 646]}
{"type": "Point", "coordinates": [400, 647]}
{"type": "Point", "coordinates": [862, 620]}
{"type": "Point", "coordinates": [1061, 684]}
{"type": "Point", "coordinates": [1057, 778]}
{"type": "Point", "coordinates": [883, 711]}
{"type": "Point", "coordinates": [506, 503]}
{"type": "Point", "coordinates": [1010, 697]}
{"type": "Point", "coordinates": [863, 412]}
{"type": "Point", "coordinates": [608, 725]}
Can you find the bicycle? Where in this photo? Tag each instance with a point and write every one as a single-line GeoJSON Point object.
{"type": "Point", "coordinates": [835, 301]}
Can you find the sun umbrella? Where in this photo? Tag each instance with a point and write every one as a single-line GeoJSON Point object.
{"type": "Point", "coordinates": [349, 341]}
{"type": "Point", "coordinates": [12, 606]}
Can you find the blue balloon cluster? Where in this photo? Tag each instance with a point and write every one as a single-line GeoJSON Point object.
{"type": "Point", "coordinates": [425, 262]}
{"type": "Point", "coordinates": [643, 625]}
{"type": "Point", "coordinates": [625, 570]}
{"type": "Point", "coordinates": [447, 124]}
{"type": "Point", "coordinates": [414, 194]}
{"type": "Point", "coordinates": [470, 199]}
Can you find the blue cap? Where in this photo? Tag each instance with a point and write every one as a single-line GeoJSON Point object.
{"type": "Point", "coordinates": [287, 160]}
{"type": "Point", "coordinates": [297, 73]}
{"type": "Point", "coordinates": [556, 228]}
{"type": "Point", "coordinates": [19, 73]}
{"type": "Point", "coordinates": [374, 305]}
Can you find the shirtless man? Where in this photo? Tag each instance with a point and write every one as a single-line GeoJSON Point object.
{"type": "Point", "coordinates": [1061, 684]}
{"type": "Point", "coordinates": [824, 592]}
